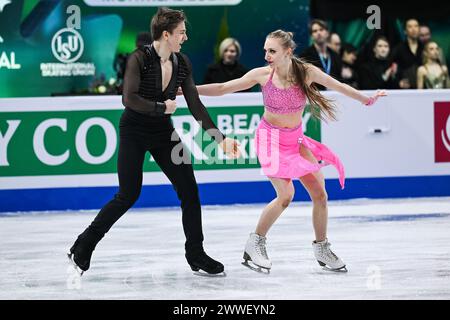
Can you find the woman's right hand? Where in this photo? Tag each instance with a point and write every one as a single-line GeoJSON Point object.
{"type": "Point", "coordinates": [171, 106]}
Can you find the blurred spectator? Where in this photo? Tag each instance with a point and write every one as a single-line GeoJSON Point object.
{"type": "Point", "coordinates": [349, 74]}
{"type": "Point", "coordinates": [425, 36]}
{"type": "Point", "coordinates": [379, 72]}
{"type": "Point", "coordinates": [228, 68]}
{"type": "Point", "coordinates": [143, 38]}
{"type": "Point", "coordinates": [432, 74]}
{"type": "Point", "coordinates": [334, 43]}
{"type": "Point", "coordinates": [408, 55]}
{"type": "Point", "coordinates": [120, 62]}
{"type": "Point", "coordinates": [424, 33]}
{"type": "Point", "coordinates": [319, 54]}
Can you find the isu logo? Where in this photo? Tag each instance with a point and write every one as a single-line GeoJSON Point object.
{"type": "Point", "coordinates": [442, 131]}
{"type": "Point", "coordinates": [67, 45]}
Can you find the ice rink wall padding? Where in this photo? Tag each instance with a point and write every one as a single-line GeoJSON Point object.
{"type": "Point", "coordinates": [60, 153]}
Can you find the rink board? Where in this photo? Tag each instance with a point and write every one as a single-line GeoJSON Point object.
{"type": "Point", "coordinates": [61, 153]}
{"type": "Point", "coordinates": [219, 193]}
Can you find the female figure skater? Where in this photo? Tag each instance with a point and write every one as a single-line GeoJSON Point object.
{"type": "Point", "coordinates": [283, 151]}
{"type": "Point", "coordinates": [152, 77]}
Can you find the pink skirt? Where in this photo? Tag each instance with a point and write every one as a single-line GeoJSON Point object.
{"type": "Point", "coordinates": [278, 151]}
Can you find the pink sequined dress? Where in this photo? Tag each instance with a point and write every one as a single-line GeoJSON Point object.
{"type": "Point", "coordinates": [278, 149]}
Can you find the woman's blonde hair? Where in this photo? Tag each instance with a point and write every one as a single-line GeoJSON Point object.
{"type": "Point", "coordinates": [228, 42]}
{"type": "Point", "coordinates": [321, 107]}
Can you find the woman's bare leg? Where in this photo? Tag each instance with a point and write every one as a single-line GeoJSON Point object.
{"type": "Point", "coordinates": [285, 193]}
{"type": "Point", "coordinates": [314, 184]}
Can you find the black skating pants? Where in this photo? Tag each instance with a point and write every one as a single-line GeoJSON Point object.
{"type": "Point", "coordinates": [139, 134]}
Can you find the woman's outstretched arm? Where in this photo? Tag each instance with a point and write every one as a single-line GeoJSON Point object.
{"type": "Point", "coordinates": [247, 81]}
{"type": "Point", "coordinates": [318, 76]}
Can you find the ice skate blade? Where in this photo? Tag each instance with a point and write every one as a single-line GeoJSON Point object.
{"type": "Point", "coordinates": [201, 273]}
{"type": "Point", "coordinates": [77, 268]}
{"type": "Point", "coordinates": [256, 268]}
{"type": "Point", "coordinates": [339, 270]}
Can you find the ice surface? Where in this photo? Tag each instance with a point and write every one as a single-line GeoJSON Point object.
{"type": "Point", "coordinates": [394, 249]}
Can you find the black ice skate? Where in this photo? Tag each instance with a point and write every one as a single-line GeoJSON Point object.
{"type": "Point", "coordinates": [81, 252]}
{"type": "Point", "coordinates": [203, 265]}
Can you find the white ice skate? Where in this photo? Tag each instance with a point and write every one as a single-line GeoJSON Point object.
{"type": "Point", "coordinates": [326, 258]}
{"type": "Point", "coordinates": [255, 251]}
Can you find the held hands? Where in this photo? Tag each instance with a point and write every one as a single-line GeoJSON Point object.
{"type": "Point", "coordinates": [171, 106]}
{"type": "Point", "coordinates": [231, 147]}
{"type": "Point", "coordinates": [371, 100]}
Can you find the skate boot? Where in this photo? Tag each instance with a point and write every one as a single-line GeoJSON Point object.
{"type": "Point", "coordinates": [204, 265]}
{"type": "Point", "coordinates": [255, 251]}
{"type": "Point", "coordinates": [81, 252]}
{"type": "Point", "coordinates": [326, 258]}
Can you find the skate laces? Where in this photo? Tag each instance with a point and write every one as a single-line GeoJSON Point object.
{"type": "Point", "coordinates": [328, 252]}
{"type": "Point", "coordinates": [261, 246]}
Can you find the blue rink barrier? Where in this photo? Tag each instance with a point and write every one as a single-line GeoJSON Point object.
{"type": "Point", "coordinates": [221, 193]}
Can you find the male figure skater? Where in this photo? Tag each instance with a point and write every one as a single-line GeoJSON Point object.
{"type": "Point", "coordinates": [152, 78]}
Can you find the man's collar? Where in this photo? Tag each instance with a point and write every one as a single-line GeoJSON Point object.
{"type": "Point", "coordinates": [155, 54]}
